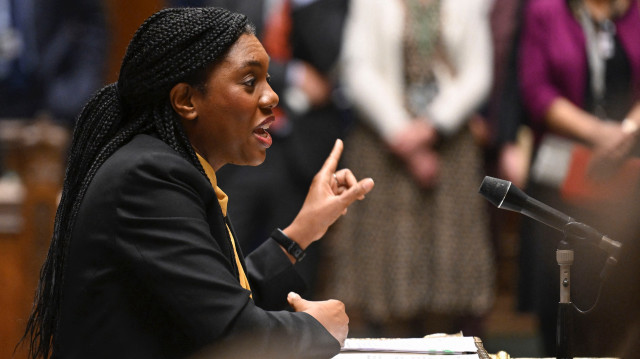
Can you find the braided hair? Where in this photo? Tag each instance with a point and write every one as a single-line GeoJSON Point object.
{"type": "Point", "coordinates": [171, 46]}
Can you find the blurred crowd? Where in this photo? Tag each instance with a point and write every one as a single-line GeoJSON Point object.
{"type": "Point", "coordinates": [429, 96]}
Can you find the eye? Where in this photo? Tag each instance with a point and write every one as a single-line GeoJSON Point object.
{"type": "Point", "coordinates": [250, 81]}
{"type": "Point", "coordinates": [268, 79]}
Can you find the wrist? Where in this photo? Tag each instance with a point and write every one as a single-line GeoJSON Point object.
{"type": "Point", "coordinates": [591, 130]}
{"type": "Point", "coordinates": [404, 142]}
{"type": "Point", "coordinates": [288, 244]}
{"type": "Point", "coordinates": [297, 234]}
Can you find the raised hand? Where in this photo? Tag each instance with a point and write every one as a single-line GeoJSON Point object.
{"type": "Point", "coordinates": [329, 196]}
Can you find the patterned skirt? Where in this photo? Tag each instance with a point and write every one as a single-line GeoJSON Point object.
{"type": "Point", "coordinates": [404, 250]}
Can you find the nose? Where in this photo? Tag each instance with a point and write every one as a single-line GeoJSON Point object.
{"type": "Point", "coordinates": [269, 98]}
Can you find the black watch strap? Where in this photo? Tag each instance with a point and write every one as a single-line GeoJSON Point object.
{"type": "Point", "coordinates": [292, 247]}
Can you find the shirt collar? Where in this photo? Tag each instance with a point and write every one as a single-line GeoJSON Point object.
{"type": "Point", "coordinates": [211, 174]}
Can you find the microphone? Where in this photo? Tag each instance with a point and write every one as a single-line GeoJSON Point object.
{"type": "Point", "coordinates": [503, 194]}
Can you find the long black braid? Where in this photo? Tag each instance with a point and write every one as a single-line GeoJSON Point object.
{"type": "Point", "coordinates": [171, 46]}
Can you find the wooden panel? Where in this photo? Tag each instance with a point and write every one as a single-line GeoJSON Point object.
{"type": "Point", "coordinates": [39, 160]}
{"type": "Point", "coordinates": [36, 153]}
{"type": "Point", "coordinates": [125, 17]}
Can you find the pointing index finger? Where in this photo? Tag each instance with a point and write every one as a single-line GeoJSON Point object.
{"type": "Point", "coordinates": [331, 163]}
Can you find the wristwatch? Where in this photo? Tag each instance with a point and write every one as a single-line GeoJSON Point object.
{"type": "Point", "coordinates": [292, 247]}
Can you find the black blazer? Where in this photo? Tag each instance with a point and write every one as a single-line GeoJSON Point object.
{"type": "Point", "coordinates": [151, 273]}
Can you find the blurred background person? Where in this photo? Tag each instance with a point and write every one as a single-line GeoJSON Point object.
{"type": "Point", "coordinates": [506, 155]}
{"type": "Point", "coordinates": [417, 259]}
{"type": "Point", "coordinates": [303, 39]}
{"type": "Point", "coordinates": [502, 128]}
{"type": "Point", "coordinates": [579, 71]}
{"type": "Point", "coordinates": [52, 58]}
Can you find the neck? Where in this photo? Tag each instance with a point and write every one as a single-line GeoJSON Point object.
{"type": "Point", "coordinates": [215, 165]}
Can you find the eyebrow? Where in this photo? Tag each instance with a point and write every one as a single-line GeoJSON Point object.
{"type": "Point", "coordinates": [254, 63]}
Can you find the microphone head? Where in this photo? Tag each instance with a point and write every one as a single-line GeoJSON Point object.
{"type": "Point", "coordinates": [494, 190]}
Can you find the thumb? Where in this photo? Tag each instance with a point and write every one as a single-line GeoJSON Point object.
{"type": "Point", "coordinates": [358, 191]}
{"type": "Point", "coordinates": [296, 301]}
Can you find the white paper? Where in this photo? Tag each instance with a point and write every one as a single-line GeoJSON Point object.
{"type": "Point", "coordinates": [429, 345]}
{"type": "Point", "coordinates": [369, 355]}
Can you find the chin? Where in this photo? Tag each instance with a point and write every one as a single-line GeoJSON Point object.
{"type": "Point", "coordinates": [256, 161]}
{"type": "Point", "coordinates": [254, 164]}
{"type": "Point", "coordinates": [253, 156]}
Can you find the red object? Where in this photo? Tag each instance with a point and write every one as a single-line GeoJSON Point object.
{"type": "Point", "coordinates": [277, 31]}
{"type": "Point", "coordinates": [580, 189]}
{"type": "Point", "coordinates": [275, 40]}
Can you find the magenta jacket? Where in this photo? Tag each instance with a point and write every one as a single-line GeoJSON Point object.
{"type": "Point", "coordinates": [553, 61]}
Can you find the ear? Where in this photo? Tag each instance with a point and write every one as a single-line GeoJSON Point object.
{"type": "Point", "coordinates": [181, 97]}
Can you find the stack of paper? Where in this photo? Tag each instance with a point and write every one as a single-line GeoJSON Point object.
{"type": "Point", "coordinates": [400, 348]}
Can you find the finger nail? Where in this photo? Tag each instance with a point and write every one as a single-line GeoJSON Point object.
{"type": "Point", "coordinates": [368, 184]}
{"type": "Point", "coordinates": [293, 295]}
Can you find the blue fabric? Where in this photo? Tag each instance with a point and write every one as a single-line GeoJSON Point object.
{"type": "Point", "coordinates": [63, 61]}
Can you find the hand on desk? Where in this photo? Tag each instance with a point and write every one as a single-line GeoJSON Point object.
{"type": "Point", "coordinates": [330, 313]}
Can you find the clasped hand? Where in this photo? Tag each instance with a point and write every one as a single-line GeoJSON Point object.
{"type": "Point", "coordinates": [414, 145]}
{"type": "Point", "coordinates": [614, 145]}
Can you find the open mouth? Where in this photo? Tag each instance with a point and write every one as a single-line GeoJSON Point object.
{"type": "Point", "coordinates": [262, 134]}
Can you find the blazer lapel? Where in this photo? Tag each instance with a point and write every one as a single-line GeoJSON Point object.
{"type": "Point", "coordinates": [218, 229]}
{"type": "Point", "coordinates": [238, 247]}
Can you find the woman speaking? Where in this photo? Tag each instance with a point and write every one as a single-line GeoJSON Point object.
{"type": "Point", "coordinates": [143, 262]}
